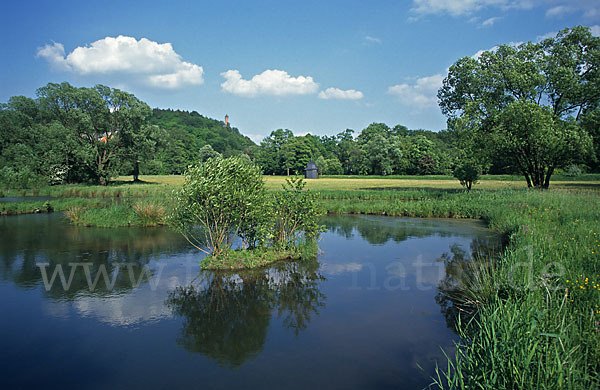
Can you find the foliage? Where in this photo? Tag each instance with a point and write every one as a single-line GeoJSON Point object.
{"type": "Point", "coordinates": [186, 138]}
{"type": "Point", "coordinates": [530, 100]}
{"type": "Point", "coordinates": [220, 199]}
{"type": "Point", "coordinates": [333, 167]}
{"type": "Point", "coordinates": [467, 172]}
{"type": "Point", "coordinates": [206, 152]}
{"type": "Point", "coordinates": [103, 121]}
{"type": "Point", "coordinates": [538, 142]}
{"type": "Point", "coordinates": [296, 213]}
{"type": "Point", "coordinates": [573, 170]}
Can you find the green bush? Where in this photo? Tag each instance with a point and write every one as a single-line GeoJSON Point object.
{"type": "Point", "coordinates": [296, 213]}
{"type": "Point", "coordinates": [220, 199]}
{"type": "Point", "coordinates": [467, 172]}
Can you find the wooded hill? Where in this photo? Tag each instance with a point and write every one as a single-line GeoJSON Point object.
{"type": "Point", "coordinates": [184, 135]}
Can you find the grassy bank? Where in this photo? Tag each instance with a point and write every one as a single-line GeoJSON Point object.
{"type": "Point", "coordinates": [538, 321]}
{"type": "Point", "coordinates": [234, 260]}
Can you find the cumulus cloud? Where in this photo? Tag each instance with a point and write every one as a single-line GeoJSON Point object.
{"type": "Point", "coordinates": [422, 94]}
{"type": "Point", "coordinates": [464, 7]}
{"type": "Point", "coordinates": [336, 93]}
{"type": "Point", "coordinates": [157, 64]}
{"type": "Point", "coordinates": [270, 82]}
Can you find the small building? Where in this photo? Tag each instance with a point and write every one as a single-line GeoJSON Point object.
{"type": "Point", "coordinates": [312, 171]}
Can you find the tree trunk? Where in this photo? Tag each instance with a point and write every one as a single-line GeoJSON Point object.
{"type": "Point", "coordinates": [547, 180]}
{"type": "Point", "coordinates": [136, 171]}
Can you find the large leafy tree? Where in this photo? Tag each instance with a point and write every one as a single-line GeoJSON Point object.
{"type": "Point", "coordinates": [382, 149]}
{"type": "Point", "coordinates": [270, 155]}
{"type": "Point", "coordinates": [107, 122]}
{"type": "Point", "coordinates": [556, 82]}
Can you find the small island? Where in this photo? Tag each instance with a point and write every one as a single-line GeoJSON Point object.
{"type": "Point", "coordinates": [224, 200]}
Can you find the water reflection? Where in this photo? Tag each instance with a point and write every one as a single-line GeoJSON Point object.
{"type": "Point", "coordinates": [226, 315]}
{"type": "Point", "coordinates": [374, 323]}
{"type": "Point", "coordinates": [380, 230]}
{"type": "Point", "coordinates": [460, 293]}
{"type": "Point", "coordinates": [68, 261]}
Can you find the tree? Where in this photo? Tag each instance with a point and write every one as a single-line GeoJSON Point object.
{"type": "Point", "coordinates": [207, 152]}
{"type": "Point", "coordinates": [556, 81]}
{"type": "Point", "coordinates": [102, 119]}
{"type": "Point", "coordinates": [296, 153]}
{"type": "Point", "coordinates": [334, 167]}
{"type": "Point", "coordinates": [539, 142]}
{"type": "Point", "coordinates": [296, 212]}
{"type": "Point", "coordinates": [270, 155]}
{"type": "Point", "coordinates": [219, 200]}
{"type": "Point", "coordinates": [381, 154]}
{"type": "Point", "coordinates": [467, 172]}
{"type": "Point", "coordinates": [350, 154]}
{"type": "Point", "coordinates": [322, 165]}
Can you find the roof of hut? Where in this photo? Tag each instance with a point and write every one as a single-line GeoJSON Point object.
{"type": "Point", "coordinates": [311, 166]}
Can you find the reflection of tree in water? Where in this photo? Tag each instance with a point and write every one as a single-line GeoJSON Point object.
{"type": "Point", "coordinates": [227, 315]}
{"type": "Point", "coordinates": [379, 230]}
{"type": "Point", "coordinates": [460, 292]}
{"type": "Point", "coordinates": [26, 241]}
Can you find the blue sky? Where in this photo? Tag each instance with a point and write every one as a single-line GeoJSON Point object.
{"type": "Point", "coordinates": [308, 66]}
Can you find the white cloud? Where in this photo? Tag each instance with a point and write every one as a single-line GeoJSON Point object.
{"type": "Point", "coordinates": [371, 39]}
{"type": "Point", "coordinates": [589, 9]}
{"type": "Point", "coordinates": [464, 7]}
{"type": "Point", "coordinates": [55, 55]}
{"type": "Point", "coordinates": [595, 30]}
{"type": "Point", "coordinates": [270, 82]}
{"type": "Point", "coordinates": [490, 22]}
{"type": "Point", "coordinates": [156, 64]}
{"type": "Point", "coordinates": [336, 93]}
{"type": "Point", "coordinates": [592, 13]}
{"type": "Point", "coordinates": [420, 95]}
{"type": "Point", "coordinates": [558, 11]}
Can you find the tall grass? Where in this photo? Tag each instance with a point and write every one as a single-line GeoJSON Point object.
{"type": "Point", "coordinates": [150, 214]}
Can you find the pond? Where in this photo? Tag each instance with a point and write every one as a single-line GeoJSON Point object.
{"type": "Point", "coordinates": [130, 308]}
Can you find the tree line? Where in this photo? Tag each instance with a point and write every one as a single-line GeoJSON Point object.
{"type": "Point", "coordinates": [88, 135]}
{"type": "Point", "coordinates": [531, 110]}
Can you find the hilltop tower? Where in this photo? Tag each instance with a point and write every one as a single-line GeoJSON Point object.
{"type": "Point", "coordinates": [226, 120]}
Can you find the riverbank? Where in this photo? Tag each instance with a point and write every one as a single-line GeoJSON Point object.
{"type": "Point", "coordinates": [537, 323]}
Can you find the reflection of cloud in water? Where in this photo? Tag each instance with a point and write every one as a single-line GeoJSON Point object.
{"type": "Point", "coordinates": [426, 273]}
{"type": "Point", "coordinates": [124, 310]}
{"type": "Point", "coordinates": [340, 268]}
{"type": "Point", "coordinates": [57, 309]}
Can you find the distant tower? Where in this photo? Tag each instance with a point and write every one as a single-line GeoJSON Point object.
{"type": "Point", "coordinates": [226, 120]}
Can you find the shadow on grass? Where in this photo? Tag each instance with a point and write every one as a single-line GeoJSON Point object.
{"type": "Point", "coordinates": [429, 191]}
{"type": "Point", "coordinates": [115, 183]}
{"type": "Point", "coordinates": [594, 186]}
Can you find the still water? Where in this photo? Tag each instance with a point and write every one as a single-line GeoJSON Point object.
{"type": "Point", "coordinates": [129, 308]}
